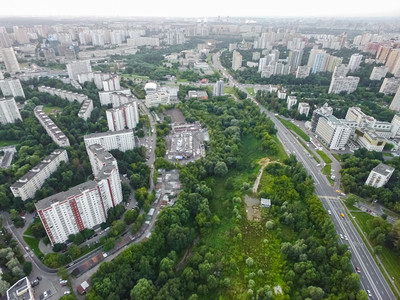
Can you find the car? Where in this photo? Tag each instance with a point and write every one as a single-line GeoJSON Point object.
{"type": "Point", "coordinates": [35, 283]}
{"type": "Point", "coordinates": [45, 294]}
{"type": "Point", "coordinates": [358, 269]}
{"type": "Point", "coordinates": [345, 237]}
{"type": "Point", "coordinates": [27, 248]}
{"type": "Point", "coordinates": [67, 292]}
{"type": "Point", "coordinates": [39, 278]}
{"type": "Point", "coordinates": [329, 211]}
{"type": "Point", "coordinates": [341, 236]}
{"type": "Point", "coordinates": [369, 293]}
{"type": "Point", "coordinates": [318, 165]}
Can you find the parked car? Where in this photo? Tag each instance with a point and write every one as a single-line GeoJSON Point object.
{"type": "Point", "coordinates": [35, 283]}
{"type": "Point", "coordinates": [358, 269]}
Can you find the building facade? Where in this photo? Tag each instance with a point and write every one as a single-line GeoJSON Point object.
{"type": "Point", "coordinates": [304, 108]}
{"type": "Point", "coordinates": [343, 84]}
{"type": "Point", "coordinates": [218, 89]}
{"type": "Point", "coordinates": [31, 182]}
{"type": "Point", "coordinates": [116, 98]}
{"type": "Point", "coordinates": [395, 104]}
{"type": "Point", "coordinates": [355, 61]}
{"type": "Point", "coordinates": [86, 109]}
{"type": "Point", "coordinates": [122, 140]}
{"type": "Point", "coordinates": [332, 132]}
{"type": "Point", "coordinates": [236, 60]}
{"type": "Point", "coordinates": [11, 87]}
{"type": "Point", "coordinates": [123, 117]}
{"type": "Point", "coordinates": [77, 68]}
{"type": "Point", "coordinates": [379, 175]}
{"type": "Point", "coordinates": [390, 85]}
{"type": "Point", "coordinates": [9, 112]}
{"type": "Point", "coordinates": [378, 73]}
{"type": "Point", "coordinates": [291, 101]}
{"type": "Point", "coordinates": [10, 60]}
{"type": "Point", "coordinates": [64, 94]}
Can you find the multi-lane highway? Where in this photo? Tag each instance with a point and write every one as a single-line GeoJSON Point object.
{"type": "Point", "coordinates": [370, 275]}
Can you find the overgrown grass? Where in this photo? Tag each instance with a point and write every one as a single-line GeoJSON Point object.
{"type": "Point", "coordinates": [324, 157]}
{"type": "Point", "coordinates": [8, 143]}
{"type": "Point", "coordinates": [289, 125]}
{"type": "Point", "coordinates": [250, 91]}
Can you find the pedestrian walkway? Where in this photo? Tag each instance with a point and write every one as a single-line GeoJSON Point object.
{"type": "Point", "coordinates": [44, 248]}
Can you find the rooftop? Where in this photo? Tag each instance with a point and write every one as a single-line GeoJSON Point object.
{"type": "Point", "coordinates": [383, 169]}
{"type": "Point", "coordinates": [21, 290]}
{"type": "Point", "coordinates": [107, 133]}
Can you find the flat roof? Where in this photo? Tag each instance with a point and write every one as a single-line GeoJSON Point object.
{"type": "Point", "coordinates": [107, 133]}
{"type": "Point", "coordinates": [21, 290]}
{"type": "Point", "coordinates": [35, 170]}
{"type": "Point", "coordinates": [383, 169]}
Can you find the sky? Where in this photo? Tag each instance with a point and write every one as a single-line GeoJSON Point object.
{"type": "Point", "coordinates": [203, 8]}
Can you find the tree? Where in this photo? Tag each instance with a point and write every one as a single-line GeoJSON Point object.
{"type": "Point", "coordinates": [220, 169]}
{"type": "Point", "coordinates": [27, 268]}
{"type": "Point", "coordinates": [118, 227]}
{"type": "Point", "coordinates": [130, 216]}
{"type": "Point", "coordinates": [4, 286]}
{"type": "Point", "coordinates": [143, 290]}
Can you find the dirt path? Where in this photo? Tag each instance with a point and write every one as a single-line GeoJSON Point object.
{"type": "Point", "coordinates": [263, 162]}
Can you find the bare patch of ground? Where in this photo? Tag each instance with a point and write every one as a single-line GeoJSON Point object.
{"type": "Point", "coordinates": [252, 208]}
{"type": "Point", "coordinates": [176, 115]}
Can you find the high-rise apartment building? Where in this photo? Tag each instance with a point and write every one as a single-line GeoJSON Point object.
{"type": "Point", "coordinates": [86, 109]}
{"type": "Point", "coordinates": [122, 140]}
{"type": "Point", "coordinates": [395, 105]}
{"type": "Point", "coordinates": [382, 53]}
{"type": "Point", "coordinates": [123, 117]}
{"type": "Point", "coordinates": [355, 61]}
{"type": "Point", "coordinates": [304, 108]}
{"type": "Point", "coordinates": [9, 112]}
{"type": "Point", "coordinates": [99, 77]}
{"type": "Point", "coordinates": [11, 87]}
{"type": "Point", "coordinates": [390, 85]}
{"type": "Point", "coordinates": [319, 62]}
{"type": "Point", "coordinates": [340, 71]}
{"type": "Point", "coordinates": [31, 182]}
{"type": "Point", "coordinates": [378, 73]}
{"type": "Point", "coordinates": [392, 61]}
{"type": "Point", "coordinates": [303, 71]}
{"type": "Point", "coordinates": [10, 60]}
{"type": "Point", "coordinates": [85, 205]}
{"type": "Point", "coordinates": [379, 175]}
{"type": "Point", "coordinates": [218, 88]}
{"type": "Point", "coordinates": [343, 84]}
{"type": "Point", "coordinates": [116, 98]}
{"type": "Point", "coordinates": [77, 68]}
{"type": "Point", "coordinates": [236, 60]}
{"type": "Point", "coordinates": [332, 132]}
{"type": "Point", "coordinates": [291, 101]}
{"type": "Point", "coordinates": [294, 59]}
{"type": "Point", "coordinates": [51, 128]}
{"type": "Point", "coordinates": [111, 84]}
{"type": "Point", "coordinates": [324, 110]}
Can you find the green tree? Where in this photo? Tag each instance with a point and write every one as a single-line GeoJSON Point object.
{"type": "Point", "coordinates": [143, 290]}
{"type": "Point", "coordinates": [220, 169]}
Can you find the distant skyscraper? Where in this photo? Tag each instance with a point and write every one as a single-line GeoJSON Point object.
{"type": "Point", "coordinates": [236, 60]}
{"type": "Point", "coordinates": [294, 59]}
{"type": "Point", "coordinates": [319, 62]}
{"type": "Point", "coordinates": [354, 62]}
{"type": "Point", "coordinates": [219, 88]}
{"type": "Point", "coordinates": [10, 60]}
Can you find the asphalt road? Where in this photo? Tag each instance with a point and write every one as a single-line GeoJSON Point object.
{"type": "Point", "coordinates": [371, 277]}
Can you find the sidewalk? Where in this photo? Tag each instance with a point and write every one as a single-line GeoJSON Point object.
{"type": "Point", "coordinates": [43, 248]}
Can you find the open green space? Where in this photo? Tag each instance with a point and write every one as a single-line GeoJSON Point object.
{"type": "Point", "coordinates": [337, 156]}
{"type": "Point", "coordinates": [229, 90]}
{"type": "Point", "coordinates": [33, 244]}
{"type": "Point", "coordinates": [134, 76]}
{"type": "Point", "coordinates": [289, 125]}
{"type": "Point", "coordinates": [388, 154]}
{"type": "Point", "coordinates": [324, 157]}
{"type": "Point", "coordinates": [8, 143]}
{"type": "Point", "coordinates": [250, 91]}
{"type": "Point", "coordinates": [51, 109]}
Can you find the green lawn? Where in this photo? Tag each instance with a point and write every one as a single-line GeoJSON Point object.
{"type": "Point", "coordinates": [388, 154]}
{"type": "Point", "coordinates": [327, 170]}
{"type": "Point", "coordinates": [289, 125]}
{"type": "Point", "coordinates": [8, 143]}
{"type": "Point", "coordinates": [250, 91]}
{"type": "Point", "coordinates": [51, 109]}
{"type": "Point", "coordinates": [229, 90]}
{"type": "Point", "coordinates": [337, 156]}
{"type": "Point", "coordinates": [33, 243]}
{"type": "Point", "coordinates": [324, 157]}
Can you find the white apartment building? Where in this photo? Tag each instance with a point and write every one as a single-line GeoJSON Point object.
{"type": "Point", "coordinates": [31, 182]}
{"type": "Point", "coordinates": [343, 84]}
{"type": "Point", "coordinates": [122, 140]}
{"type": "Point", "coordinates": [379, 175]}
{"type": "Point", "coordinates": [64, 94]}
{"type": "Point", "coordinates": [303, 71]}
{"type": "Point", "coordinates": [395, 125]}
{"type": "Point", "coordinates": [282, 94]}
{"type": "Point", "coordinates": [395, 104]}
{"type": "Point", "coordinates": [340, 71]}
{"type": "Point", "coordinates": [304, 108]}
{"type": "Point", "coordinates": [218, 89]}
{"type": "Point", "coordinates": [355, 61]}
{"type": "Point", "coordinates": [78, 67]}
{"type": "Point", "coordinates": [158, 98]}
{"type": "Point", "coordinates": [99, 77]}
{"type": "Point", "coordinates": [123, 117]}
{"type": "Point", "coordinates": [9, 112]}
{"type": "Point", "coordinates": [85, 205]}
{"type": "Point", "coordinates": [332, 132]}
{"type": "Point", "coordinates": [112, 97]}
{"type": "Point", "coordinates": [11, 87]}
{"type": "Point", "coordinates": [291, 100]}
{"type": "Point", "coordinates": [378, 73]}
{"type": "Point", "coordinates": [369, 140]}
{"type": "Point", "coordinates": [236, 60]}
{"type": "Point", "coordinates": [111, 84]}
{"type": "Point", "coordinates": [10, 60]}
{"type": "Point", "coordinates": [51, 128]}
{"type": "Point", "coordinates": [390, 85]}
{"type": "Point", "coordinates": [143, 41]}
{"type": "Point", "coordinates": [86, 109]}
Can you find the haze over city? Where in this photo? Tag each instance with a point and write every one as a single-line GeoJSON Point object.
{"type": "Point", "coordinates": [207, 8]}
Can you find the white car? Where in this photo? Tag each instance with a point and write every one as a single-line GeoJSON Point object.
{"type": "Point", "coordinates": [345, 237]}
{"type": "Point", "coordinates": [329, 211]}
{"type": "Point", "coordinates": [369, 293]}
{"type": "Point", "coordinates": [67, 292]}
{"type": "Point", "coordinates": [341, 236]}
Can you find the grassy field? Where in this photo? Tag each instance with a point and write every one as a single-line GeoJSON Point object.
{"type": "Point", "coordinates": [289, 125]}
{"type": "Point", "coordinates": [387, 154]}
{"type": "Point", "coordinates": [51, 109]}
{"type": "Point", "coordinates": [33, 243]}
{"type": "Point", "coordinates": [250, 91]}
{"type": "Point", "coordinates": [389, 257]}
{"type": "Point", "coordinates": [337, 156]}
{"type": "Point", "coordinates": [324, 157]}
{"type": "Point", "coordinates": [229, 90]}
{"type": "Point", "coordinates": [8, 143]}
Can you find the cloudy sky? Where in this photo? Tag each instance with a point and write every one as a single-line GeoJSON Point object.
{"type": "Point", "coordinates": [202, 8]}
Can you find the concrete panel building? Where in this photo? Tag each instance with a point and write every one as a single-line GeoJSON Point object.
{"type": "Point", "coordinates": [291, 101]}
{"type": "Point", "coordinates": [304, 108]}
{"type": "Point", "coordinates": [378, 73]}
{"type": "Point", "coordinates": [31, 182]}
{"type": "Point", "coordinates": [379, 175]}
{"type": "Point", "coordinates": [10, 60]}
{"type": "Point", "coordinates": [123, 117]}
{"type": "Point", "coordinates": [64, 94]}
{"type": "Point", "coordinates": [86, 109]}
{"type": "Point", "coordinates": [395, 104]}
{"type": "Point", "coordinates": [390, 85]}
{"type": "Point", "coordinates": [11, 87]}
{"type": "Point", "coordinates": [122, 140]}
{"type": "Point", "coordinates": [236, 60]}
{"type": "Point", "coordinates": [332, 132]}
{"type": "Point", "coordinates": [78, 67]}
{"type": "Point", "coordinates": [116, 98]}
{"type": "Point", "coordinates": [9, 112]}
{"type": "Point", "coordinates": [343, 84]}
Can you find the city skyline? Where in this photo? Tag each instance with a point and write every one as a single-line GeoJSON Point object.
{"type": "Point", "coordinates": [176, 8]}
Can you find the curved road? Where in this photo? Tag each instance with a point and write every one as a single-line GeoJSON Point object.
{"type": "Point", "coordinates": [371, 277]}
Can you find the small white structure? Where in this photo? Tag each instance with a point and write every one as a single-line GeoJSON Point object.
{"type": "Point", "coordinates": [291, 101]}
{"type": "Point", "coordinates": [304, 108]}
{"type": "Point", "coordinates": [265, 202]}
{"type": "Point", "coordinates": [379, 175]}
